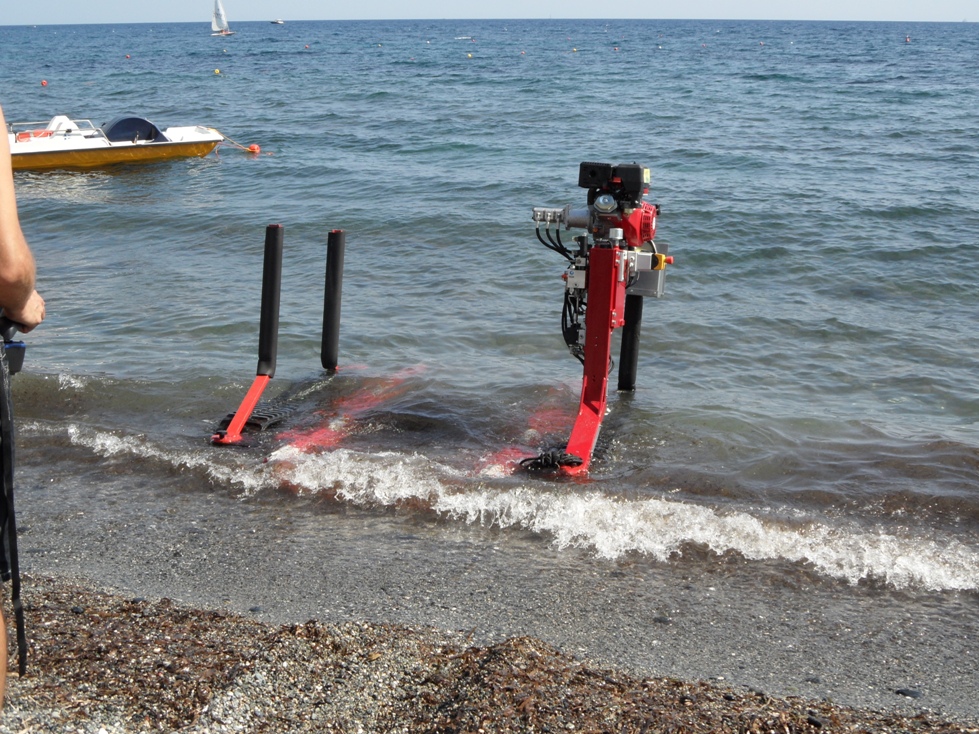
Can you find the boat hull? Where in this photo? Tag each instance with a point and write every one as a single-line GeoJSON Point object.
{"type": "Point", "coordinates": [96, 157]}
{"type": "Point", "coordinates": [70, 144]}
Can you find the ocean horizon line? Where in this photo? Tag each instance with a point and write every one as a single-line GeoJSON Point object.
{"type": "Point", "coordinates": [266, 21]}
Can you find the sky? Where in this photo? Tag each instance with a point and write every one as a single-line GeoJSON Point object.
{"type": "Point", "coordinates": [175, 11]}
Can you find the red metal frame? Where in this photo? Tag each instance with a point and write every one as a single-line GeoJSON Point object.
{"type": "Point", "coordinates": [605, 312]}
{"type": "Point", "coordinates": [232, 434]}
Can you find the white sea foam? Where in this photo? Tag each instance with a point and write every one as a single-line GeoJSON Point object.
{"type": "Point", "coordinates": [613, 527]}
{"type": "Point", "coordinates": [249, 479]}
{"type": "Point", "coordinates": [70, 382]}
{"type": "Point", "coordinates": [609, 526]}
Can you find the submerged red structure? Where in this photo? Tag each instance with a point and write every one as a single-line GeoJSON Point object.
{"type": "Point", "coordinates": [612, 268]}
{"type": "Point", "coordinates": [230, 429]}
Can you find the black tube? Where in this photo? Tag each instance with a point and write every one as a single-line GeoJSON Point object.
{"type": "Point", "coordinates": [629, 354]}
{"type": "Point", "coordinates": [335, 247]}
{"type": "Point", "coordinates": [268, 329]}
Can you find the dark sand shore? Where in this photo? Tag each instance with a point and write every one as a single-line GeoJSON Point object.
{"type": "Point", "coordinates": [426, 624]}
{"type": "Point", "coordinates": [105, 663]}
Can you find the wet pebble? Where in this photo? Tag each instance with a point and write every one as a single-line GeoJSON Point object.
{"type": "Point", "coordinates": [208, 672]}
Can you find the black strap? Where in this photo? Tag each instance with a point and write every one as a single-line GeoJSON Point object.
{"type": "Point", "coordinates": [11, 564]}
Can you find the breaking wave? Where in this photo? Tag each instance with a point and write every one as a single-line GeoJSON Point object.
{"type": "Point", "coordinates": [610, 527]}
{"type": "Point", "coordinates": [613, 526]}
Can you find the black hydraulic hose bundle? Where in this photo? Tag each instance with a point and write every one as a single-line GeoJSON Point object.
{"type": "Point", "coordinates": [571, 315]}
{"type": "Point", "coordinates": [10, 568]}
{"type": "Point", "coordinates": [557, 246]}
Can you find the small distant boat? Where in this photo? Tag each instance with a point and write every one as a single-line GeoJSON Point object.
{"type": "Point", "coordinates": [219, 21]}
{"type": "Point", "coordinates": [277, 21]}
{"type": "Point", "coordinates": [67, 143]}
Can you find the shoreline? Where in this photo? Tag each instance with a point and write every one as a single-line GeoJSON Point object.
{"type": "Point", "coordinates": [777, 629]}
{"type": "Point", "coordinates": [103, 662]}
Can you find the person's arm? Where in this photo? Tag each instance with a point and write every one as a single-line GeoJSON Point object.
{"type": "Point", "coordinates": [19, 300]}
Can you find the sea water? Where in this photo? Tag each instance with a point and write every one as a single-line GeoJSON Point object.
{"type": "Point", "coordinates": [807, 395]}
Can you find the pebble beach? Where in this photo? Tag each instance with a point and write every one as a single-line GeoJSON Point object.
{"type": "Point", "coordinates": [102, 663]}
{"type": "Point", "coordinates": [218, 615]}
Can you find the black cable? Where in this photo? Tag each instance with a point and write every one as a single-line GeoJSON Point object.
{"type": "Point", "coordinates": [552, 246]}
{"type": "Point", "coordinates": [550, 239]}
{"type": "Point", "coordinates": [556, 244]}
{"type": "Point", "coordinates": [548, 245]}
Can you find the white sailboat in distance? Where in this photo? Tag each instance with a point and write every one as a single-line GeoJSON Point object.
{"type": "Point", "coordinates": [219, 21]}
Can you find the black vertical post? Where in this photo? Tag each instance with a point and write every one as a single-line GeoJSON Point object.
{"type": "Point", "coordinates": [335, 246]}
{"type": "Point", "coordinates": [268, 329]}
{"type": "Point", "coordinates": [629, 353]}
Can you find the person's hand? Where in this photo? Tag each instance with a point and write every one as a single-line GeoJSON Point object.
{"type": "Point", "coordinates": [30, 315]}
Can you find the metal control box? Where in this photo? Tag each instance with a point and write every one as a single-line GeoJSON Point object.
{"type": "Point", "coordinates": [649, 283]}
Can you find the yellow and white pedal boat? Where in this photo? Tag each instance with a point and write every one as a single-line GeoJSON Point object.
{"type": "Point", "coordinates": [66, 143]}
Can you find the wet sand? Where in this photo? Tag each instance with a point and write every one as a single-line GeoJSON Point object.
{"type": "Point", "coordinates": [729, 628]}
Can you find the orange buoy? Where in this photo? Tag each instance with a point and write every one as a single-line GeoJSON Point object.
{"type": "Point", "coordinates": [44, 82]}
{"type": "Point", "coordinates": [127, 56]}
{"type": "Point", "coordinates": [254, 148]}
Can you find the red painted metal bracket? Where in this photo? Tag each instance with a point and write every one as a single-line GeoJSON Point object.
{"type": "Point", "coordinates": [604, 314]}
